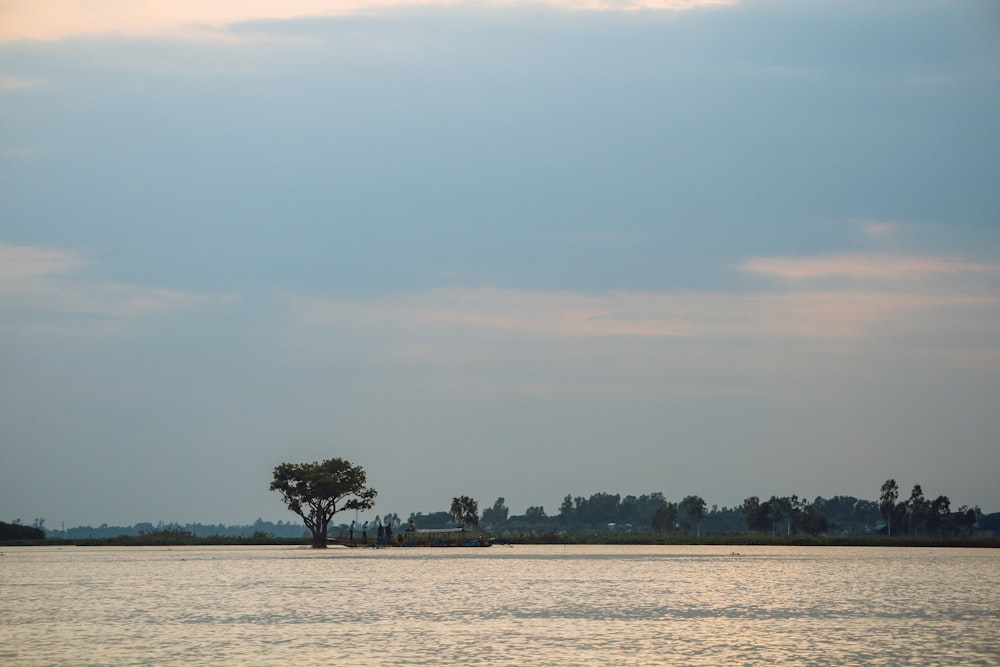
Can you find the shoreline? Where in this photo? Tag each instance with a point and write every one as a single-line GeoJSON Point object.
{"type": "Point", "coordinates": [745, 539]}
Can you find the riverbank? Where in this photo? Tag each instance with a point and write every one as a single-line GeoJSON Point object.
{"type": "Point", "coordinates": [745, 539]}
{"type": "Point", "coordinates": [754, 539]}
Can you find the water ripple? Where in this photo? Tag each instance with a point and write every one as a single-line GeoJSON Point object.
{"type": "Point", "coordinates": [528, 605]}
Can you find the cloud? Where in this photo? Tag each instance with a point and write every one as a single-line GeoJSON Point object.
{"type": "Point", "coordinates": [841, 312]}
{"type": "Point", "coordinates": [907, 313]}
{"type": "Point", "coordinates": [21, 263]}
{"type": "Point", "coordinates": [38, 293]}
{"type": "Point", "coordinates": [864, 266]}
{"type": "Point", "coordinates": [16, 83]}
{"type": "Point", "coordinates": [879, 229]}
{"type": "Point", "coordinates": [646, 346]}
{"type": "Point", "coordinates": [634, 5]}
{"type": "Point", "coordinates": [59, 19]}
{"type": "Point", "coordinates": [805, 314]}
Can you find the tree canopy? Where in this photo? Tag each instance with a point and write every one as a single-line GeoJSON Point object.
{"type": "Point", "coordinates": [317, 491]}
{"type": "Point", "coordinates": [665, 518]}
{"type": "Point", "coordinates": [465, 510]}
{"type": "Point", "coordinates": [497, 514]}
{"type": "Point", "coordinates": [15, 531]}
{"type": "Point", "coordinates": [692, 512]}
{"type": "Point", "coordinates": [887, 502]}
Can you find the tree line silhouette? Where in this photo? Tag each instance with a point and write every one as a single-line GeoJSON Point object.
{"type": "Point", "coordinates": [912, 516]}
{"type": "Point", "coordinates": [778, 515]}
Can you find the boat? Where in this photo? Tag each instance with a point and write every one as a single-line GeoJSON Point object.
{"type": "Point", "coordinates": [442, 537]}
{"type": "Point", "coordinates": [422, 537]}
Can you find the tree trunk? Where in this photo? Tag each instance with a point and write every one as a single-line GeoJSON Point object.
{"type": "Point", "coordinates": [319, 538]}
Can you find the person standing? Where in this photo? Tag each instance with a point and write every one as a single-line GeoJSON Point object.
{"type": "Point", "coordinates": [351, 532]}
{"type": "Point", "coordinates": [381, 532]}
{"type": "Point", "coordinates": [364, 533]}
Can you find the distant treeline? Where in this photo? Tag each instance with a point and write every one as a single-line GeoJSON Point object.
{"type": "Point", "coordinates": [777, 516]}
{"type": "Point", "coordinates": [15, 531]}
{"type": "Point", "coordinates": [611, 513]}
{"type": "Point", "coordinates": [257, 528]}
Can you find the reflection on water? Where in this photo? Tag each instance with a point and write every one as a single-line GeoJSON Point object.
{"type": "Point", "coordinates": [522, 605]}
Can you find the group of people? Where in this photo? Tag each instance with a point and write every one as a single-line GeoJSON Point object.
{"type": "Point", "coordinates": [384, 532]}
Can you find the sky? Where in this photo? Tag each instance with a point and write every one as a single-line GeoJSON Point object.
{"type": "Point", "coordinates": [520, 249]}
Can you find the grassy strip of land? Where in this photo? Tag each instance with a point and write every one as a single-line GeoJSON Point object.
{"type": "Point", "coordinates": [745, 539]}
{"type": "Point", "coordinates": [755, 539]}
{"type": "Point", "coordinates": [140, 541]}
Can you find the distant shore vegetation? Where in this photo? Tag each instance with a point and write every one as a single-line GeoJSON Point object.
{"type": "Point", "coordinates": [151, 533]}
{"type": "Point", "coordinates": [605, 518]}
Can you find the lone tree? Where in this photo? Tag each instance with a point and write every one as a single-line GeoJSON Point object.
{"type": "Point", "coordinates": [317, 491]}
{"type": "Point", "coordinates": [465, 510]}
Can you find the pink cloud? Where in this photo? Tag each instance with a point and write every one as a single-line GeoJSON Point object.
{"type": "Point", "coordinates": [880, 229]}
{"type": "Point", "coordinates": [641, 346]}
{"type": "Point", "coordinates": [58, 19]}
{"type": "Point", "coordinates": [42, 280]}
{"type": "Point", "coordinates": [19, 263]}
{"type": "Point", "coordinates": [863, 266]}
{"type": "Point", "coordinates": [814, 314]}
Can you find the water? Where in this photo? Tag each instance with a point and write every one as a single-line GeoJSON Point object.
{"type": "Point", "coordinates": [522, 605]}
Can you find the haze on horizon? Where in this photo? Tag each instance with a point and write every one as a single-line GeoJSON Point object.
{"type": "Point", "coordinates": [519, 249]}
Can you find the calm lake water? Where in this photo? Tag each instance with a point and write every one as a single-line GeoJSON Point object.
{"type": "Point", "coordinates": [521, 605]}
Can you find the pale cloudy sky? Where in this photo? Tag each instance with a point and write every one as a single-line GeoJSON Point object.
{"type": "Point", "coordinates": [517, 249]}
